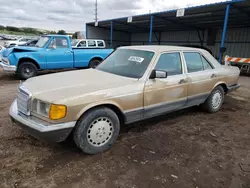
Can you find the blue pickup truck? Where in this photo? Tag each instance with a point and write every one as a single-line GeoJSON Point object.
{"type": "Point", "coordinates": [50, 52]}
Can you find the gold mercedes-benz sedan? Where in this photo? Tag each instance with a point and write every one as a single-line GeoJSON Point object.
{"type": "Point", "coordinates": [132, 84]}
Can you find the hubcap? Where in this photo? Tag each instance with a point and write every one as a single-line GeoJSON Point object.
{"type": "Point", "coordinates": [217, 99]}
{"type": "Point", "coordinates": [27, 71]}
{"type": "Point", "coordinates": [100, 131]}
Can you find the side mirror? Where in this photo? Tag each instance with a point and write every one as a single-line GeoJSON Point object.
{"type": "Point", "coordinates": [158, 74]}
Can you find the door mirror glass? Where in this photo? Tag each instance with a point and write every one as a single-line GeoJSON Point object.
{"type": "Point", "coordinates": [158, 74]}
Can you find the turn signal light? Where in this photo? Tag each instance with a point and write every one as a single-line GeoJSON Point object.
{"type": "Point", "coordinates": [57, 111]}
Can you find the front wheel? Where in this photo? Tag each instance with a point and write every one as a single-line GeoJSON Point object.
{"type": "Point", "coordinates": [27, 70]}
{"type": "Point", "coordinates": [97, 130]}
{"type": "Point", "coordinates": [215, 100]}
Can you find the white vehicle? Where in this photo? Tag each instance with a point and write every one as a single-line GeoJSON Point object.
{"type": "Point", "coordinates": [87, 43]}
{"type": "Point", "coordinates": [1, 51]}
{"type": "Point", "coordinates": [12, 43]}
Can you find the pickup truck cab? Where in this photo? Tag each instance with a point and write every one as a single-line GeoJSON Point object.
{"type": "Point", "coordinates": [50, 52]}
{"type": "Point", "coordinates": [134, 83]}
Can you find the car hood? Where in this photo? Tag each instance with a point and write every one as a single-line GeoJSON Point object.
{"type": "Point", "coordinates": [60, 87]}
{"type": "Point", "coordinates": [20, 49]}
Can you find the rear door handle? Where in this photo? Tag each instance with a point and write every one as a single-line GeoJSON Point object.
{"type": "Point", "coordinates": [182, 81]}
{"type": "Point", "coordinates": [213, 76]}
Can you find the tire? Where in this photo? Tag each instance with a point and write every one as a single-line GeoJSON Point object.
{"type": "Point", "coordinates": [94, 63]}
{"type": "Point", "coordinates": [215, 100]}
{"type": "Point", "coordinates": [27, 70]}
{"type": "Point", "coordinates": [97, 130]}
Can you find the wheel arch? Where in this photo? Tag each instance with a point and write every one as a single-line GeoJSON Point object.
{"type": "Point", "coordinates": [223, 85]}
{"type": "Point", "coordinates": [28, 59]}
{"type": "Point", "coordinates": [111, 105]}
{"type": "Point", "coordinates": [96, 58]}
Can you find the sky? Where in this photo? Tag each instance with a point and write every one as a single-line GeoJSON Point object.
{"type": "Point", "coordinates": [71, 15]}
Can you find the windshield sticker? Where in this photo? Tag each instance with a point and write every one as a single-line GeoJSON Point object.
{"type": "Point", "coordinates": [136, 59]}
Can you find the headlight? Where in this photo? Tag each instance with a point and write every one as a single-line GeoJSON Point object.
{"type": "Point", "coordinates": [41, 107]}
{"type": "Point", "coordinates": [52, 111]}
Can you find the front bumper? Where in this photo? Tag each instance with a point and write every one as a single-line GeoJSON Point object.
{"type": "Point", "coordinates": [41, 129]}
{"type": "Point", "coordinates": [8, 68]}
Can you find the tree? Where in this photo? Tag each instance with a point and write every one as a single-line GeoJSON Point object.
{"type": "Point", "coordinates": [11, 28]}
{"type": "Point", "coordinates": [61, 32]}
{"type": "Point", "coordinates": [74, 35]}
{"type": "Point", "coordinates": [52, 32]}
{"type": "Point", "coordinates": [2, 27]}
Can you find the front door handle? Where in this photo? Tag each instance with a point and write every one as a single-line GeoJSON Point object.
{"type": "Point", "coordinates": [182, 81]}
{"type": "Point", "coordinates": [213, 76]}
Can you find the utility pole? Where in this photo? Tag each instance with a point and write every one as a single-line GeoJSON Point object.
{"type": "Point", "coordinates": [96, 11]}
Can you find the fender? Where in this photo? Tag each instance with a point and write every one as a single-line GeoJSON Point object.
{"type": "Point", "coordinates": [100, 103]}
{"type": "Point", "coordinates": [35, 56]}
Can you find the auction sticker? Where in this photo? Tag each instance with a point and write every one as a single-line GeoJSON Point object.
{"type": "Point", "coordinates": [136, 59]}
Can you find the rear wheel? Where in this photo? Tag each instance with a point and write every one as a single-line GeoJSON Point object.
{"type": "Point", "coordinates": [27, 70]}
{"type": "Point", "coordinates": [214, 101]}
{"type": "Point", "coordinates": [97, 130]}
{"type": "Point", "coordinates": [94, 63]}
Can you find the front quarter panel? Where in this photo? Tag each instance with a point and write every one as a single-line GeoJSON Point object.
{"type": "Point", "coordinates": [127, 99]}
{"type": "Point", "coordinates": [37, 56]}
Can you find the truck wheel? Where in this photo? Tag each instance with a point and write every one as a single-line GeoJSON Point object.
{"type": "Point", "coordinates": [27, 70]}
{"type": "Point", "coordinates": [94, 63]}
{"type": "Point", "coordinates": [97, 130]}
{"type": "Point", "coordinates": [214, 101]}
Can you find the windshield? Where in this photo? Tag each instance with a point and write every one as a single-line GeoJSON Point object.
{"type": "Point", "coordinates": [127, 62]}
{"type": "Point", "coordinates": [42, 42]}
{"type": "Point", "coordinates": [74, 42]}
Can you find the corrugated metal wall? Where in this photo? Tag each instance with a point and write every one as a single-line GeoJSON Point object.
{"type": "Point", "coordinates": [119, 38]}
{"type": "Point", "coordinates": [237, 40]}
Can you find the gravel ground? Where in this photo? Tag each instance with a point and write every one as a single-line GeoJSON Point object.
{"type": "Point", "coordinates": [189, 148]}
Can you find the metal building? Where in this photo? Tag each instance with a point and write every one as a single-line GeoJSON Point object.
{"type": "Point", "coordinates": [216, 27]}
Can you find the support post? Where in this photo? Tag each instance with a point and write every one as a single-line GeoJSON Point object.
{"type": "Point", "coordinates": [86, 34]}
{"type": "Point", "coordinates": [111, 34]}
{"type": "Point", "coordinates": [224, 32]}
{"type": "Point", "coordinates": [159, 41]}
{"type": "Point", "coordinates": [151, 29]}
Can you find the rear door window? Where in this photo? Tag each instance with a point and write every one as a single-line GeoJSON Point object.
{"type": "Point", "coordinates": [193, 61]}
{"type": "Point", "coordinates": [206, 64]}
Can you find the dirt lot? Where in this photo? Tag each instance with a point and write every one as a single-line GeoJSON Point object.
{"type": "Point", "coordinates": [184, 149]}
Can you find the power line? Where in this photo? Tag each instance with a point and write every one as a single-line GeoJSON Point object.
{"type": "Point", "coordinates": [96, 11]}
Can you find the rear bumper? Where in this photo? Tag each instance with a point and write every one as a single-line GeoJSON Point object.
{"type": "Point", "coordinates": [233, 87]}
{"type": "Point", "coordinates": [8, 68]}
{"type": "Point", "coordinates": [39, 128]}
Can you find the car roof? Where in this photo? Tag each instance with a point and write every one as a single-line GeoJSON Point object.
{"type": "Point", "coordinates": [160, 48]}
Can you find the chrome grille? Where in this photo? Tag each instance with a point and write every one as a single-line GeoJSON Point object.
{"type": "Point", "coordinates": [23, 101]}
